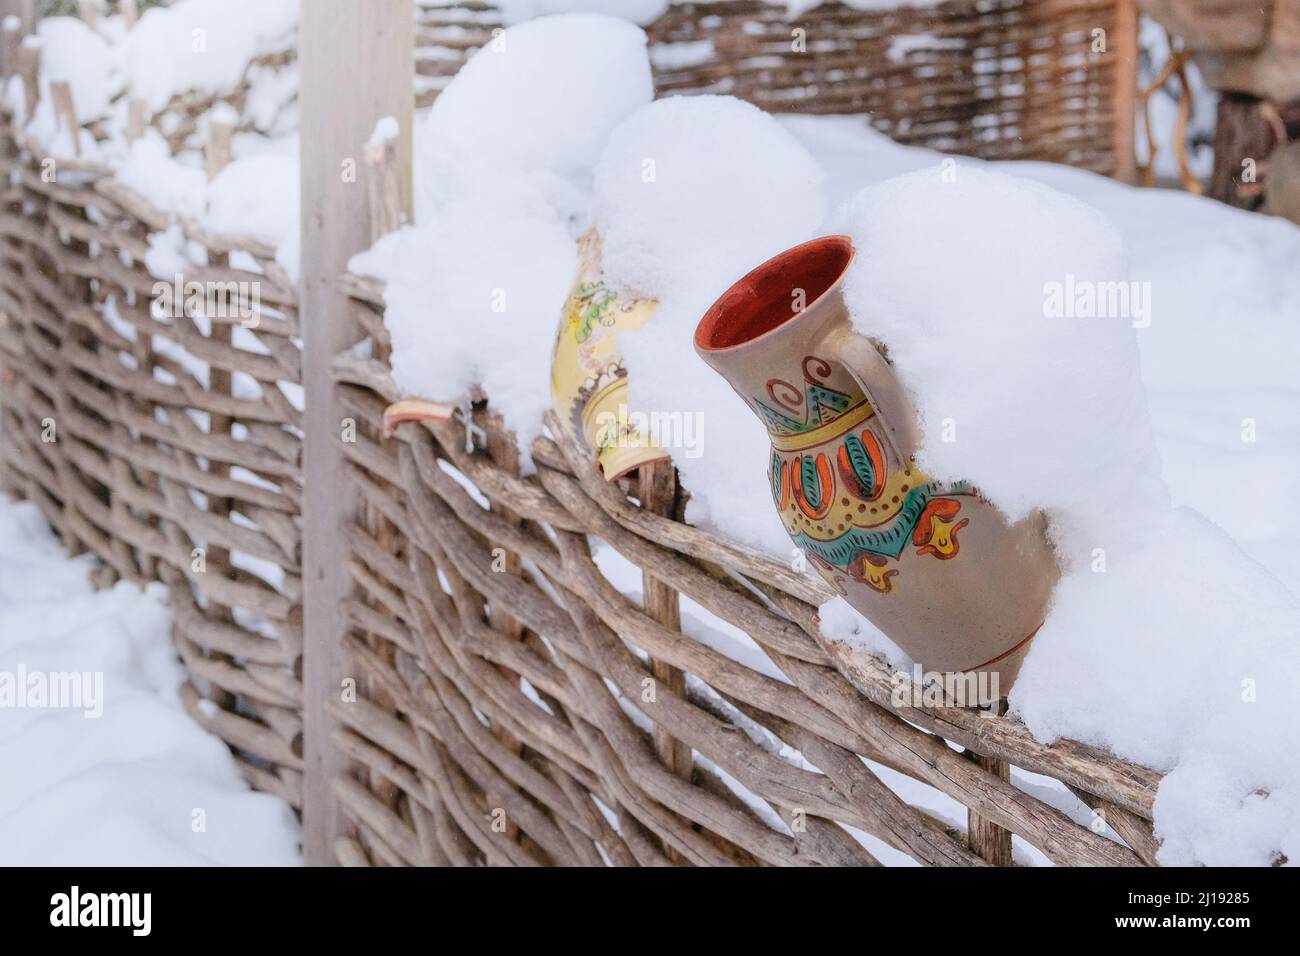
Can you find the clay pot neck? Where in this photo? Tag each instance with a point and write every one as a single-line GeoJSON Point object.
{"type": "Point", "coordinates": [784, 296]}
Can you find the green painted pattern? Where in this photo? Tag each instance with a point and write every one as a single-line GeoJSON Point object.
{"type": "Point", "coordinates": [601, 299]}
{"type": "Point", "coordinates": [888, 542]}
{"type": "Point", "coordinates": [813, 492]}
{"type": "Point", "coordinates": [863, 469]}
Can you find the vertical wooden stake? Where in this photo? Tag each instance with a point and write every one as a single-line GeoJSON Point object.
{"type": "Point", "coordinates": [657, 487]}
{"type": "Point", "coordinates": [19, 18]}
{"type": "Point", "coordinates": [135, 119]}
{"type": "Point", "coordinates": [383, 187]}
{"type": "Point", "coordinates": [384, 207]}
{"type": "Point", "coordinates": [357, 64]}
{"type": "Point", "coordinates": [220, 382]}
{"type": "Point", "coordinates": [987, 839]}
{"type": "Point", "coordinates": [1124, 48]}
{"type": "Point", "coordinates": [990, 841]}
{"type": "Point", "coordinates": [13, 38]}
{"type": "Point", "coordinates": [29, 68]}
{"type": "Point", "coordinates": [217, 148]}
{"type": "Point", "coordinates": [61, 93]}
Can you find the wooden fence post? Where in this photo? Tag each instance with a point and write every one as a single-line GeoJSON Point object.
{"type": "Point", "coordinates": [29, 68]}
{"type": "Point", "coordinates": [66, 109]}
{"type": "Point", "coordinates": [136, 113]}
{"type": "Point", "coordinates": [24, 14]}
{"type": "Point", "coordinates": [1124, 47]}
{"type": "Point", "coordinates": [357, 65]}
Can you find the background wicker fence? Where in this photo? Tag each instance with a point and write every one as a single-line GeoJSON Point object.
{"type": "Point", "coordinates": [998, 79]}
{"type": "Point", "coordinates": [505, 703]}
{"type": "Point", "coordinates": [165, 445]}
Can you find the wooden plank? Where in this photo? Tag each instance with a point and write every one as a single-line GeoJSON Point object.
{"type": "Point", "coordinates": [357, 64]}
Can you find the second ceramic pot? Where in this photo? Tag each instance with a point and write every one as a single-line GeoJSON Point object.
{"type": "Point", "coordinates": [588, 377]}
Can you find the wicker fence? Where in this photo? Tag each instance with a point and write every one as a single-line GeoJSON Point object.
{"type": "Point", "coordinates": [1050, 80]}
{"type": "Point", "coordinates": [164, 445]}
{"type": "Point", "coordinates": [505, 715]}
{"type": "Point", "coordinates": [510, 705]}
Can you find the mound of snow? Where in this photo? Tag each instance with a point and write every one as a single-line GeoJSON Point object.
{"type": "Point", "coordinates": [150, 170]}
{"type": "Point", "coordinates": [689, 195]}
{"type": "Point", "coordinates": [73, 52]}
{"type": "Point", "coordinates": [955, 271]}
{"type": "Point", "coordinates": [200, 45]}
{"type": "Point", "coordinates": [257, 196]}
{"type": "Point", "coordinates": [539, 100]}
{"type": "Point", "coordinates": [119, 775]}
{"type": "Point", "coordinates": [473, 298]}
{"type": "Point", "coordinates": [693, 191]}
{"type": "Point", "coordinates": [474, 291]}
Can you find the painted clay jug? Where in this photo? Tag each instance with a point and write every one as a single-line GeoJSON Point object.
{"type": "Point", "coordinates": [588, 378]}
{"type": "Point", "coordinates": [931, 563]}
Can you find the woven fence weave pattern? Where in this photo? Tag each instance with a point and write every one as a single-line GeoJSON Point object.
{"type": "Point", "coordinates": [159, 443]}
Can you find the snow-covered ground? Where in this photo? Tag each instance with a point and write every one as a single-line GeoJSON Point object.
{"type": "Point", "coordinates": [102, 766]}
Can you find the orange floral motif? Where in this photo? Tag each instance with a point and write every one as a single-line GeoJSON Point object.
{"type": "Point", "coordinates": [824, 493]}
{"type": "Point", "coordinates": [935, 532]}
{"type": "Point", "coordinates": [874, 572]}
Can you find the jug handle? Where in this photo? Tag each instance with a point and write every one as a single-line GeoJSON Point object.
{"type": "Point", "coordinates": [877, 378]}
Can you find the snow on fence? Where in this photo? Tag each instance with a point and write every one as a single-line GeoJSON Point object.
{"type": "Point", "coordinates": [489, 723]}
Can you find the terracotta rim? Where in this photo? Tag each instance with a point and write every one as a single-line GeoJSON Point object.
{"type": "Point", "coordinates": [758, 305]}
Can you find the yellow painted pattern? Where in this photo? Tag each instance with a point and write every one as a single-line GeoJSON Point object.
{"type": "Point", "coordinates": [587, 387]}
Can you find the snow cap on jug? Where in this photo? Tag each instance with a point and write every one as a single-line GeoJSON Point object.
{"type": "Point", "coordinates": [950, 275]}
{"type": "Point", "coordinates": [690, 193]}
